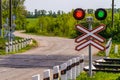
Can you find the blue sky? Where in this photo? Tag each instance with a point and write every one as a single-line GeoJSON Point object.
{"type": "Point", "coordinates": [68, 5]}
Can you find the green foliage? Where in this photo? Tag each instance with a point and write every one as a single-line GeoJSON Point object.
{"type": "Point", "coordinates": [63, 25]}
{"type": "Point", "coordinates": [99, 76]}
{"type": "Point", "coordinates": [2, 43]}
{"type": "Point", "coordinates": [18, 9]}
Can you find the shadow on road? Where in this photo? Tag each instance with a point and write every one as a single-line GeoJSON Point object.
{"type": "Point", "coordinates": [33, 61]}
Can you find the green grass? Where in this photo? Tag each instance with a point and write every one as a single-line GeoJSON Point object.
{"type": "Point", "coordinates": [2, 46]}
{"type": "Point", "coordinates": [31, 21]}
{"type": "Point", "coordinates": [99, 76]}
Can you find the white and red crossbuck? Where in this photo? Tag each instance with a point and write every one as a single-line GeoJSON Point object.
{"type": "Point", "coordinates": [90, 37]}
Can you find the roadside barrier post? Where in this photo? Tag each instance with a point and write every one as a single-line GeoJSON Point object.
{"type": "Point", "coordinates": [22, 43]}
{"type": "Point", "coordinates": [36, 77]}
{"type": "Point", "coordinates": [46, 75]}
{"type": "Point", "coordinates": [16, 45]}
{"type": "Point", "coordinates": [82, 63]}
{"type": "Point", "coordinates": [25, 42]}
{"type": "Point", "coordinates": [63, 68]}
{"type": "Point", "coordinates": [13, 48]}
{"type": "Point", "coordinates": [56, 73]}
{"type": "Point", "coordinates": [116, 49]}
{"type": "Point", "coordinates": [19, 44]}
{"type": "Point", "coordinates": [10, 46]}
{"type": "Point", "coordinates": [77, 66]}
{"type": "Point", "coordinates": [73, 68]}
{"type": "Point", "coordinates": [31, 41]}
{"type": "Point", "coordinates": [69, 69]}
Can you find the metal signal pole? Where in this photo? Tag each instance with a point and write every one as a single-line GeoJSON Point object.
{"type": "Point", "coordinates": [0, 18]}
{"type": "Point", "coordinates": [90, 21]}
{"type": "Point", "coordinates": [112, 13]}
{"type": "Point", "coordinates": [10, 19]}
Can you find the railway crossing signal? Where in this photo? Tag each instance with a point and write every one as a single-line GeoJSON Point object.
{"type": "Point", "coordinates": [100, 14]}
{"type": "Point", "coordinates": [90, 37]}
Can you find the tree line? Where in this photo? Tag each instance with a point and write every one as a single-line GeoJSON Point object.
{"type": "Point", "coordinates": [38, 13]}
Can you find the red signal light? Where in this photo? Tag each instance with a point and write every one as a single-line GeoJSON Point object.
{"type": "Point", "coordinates": [79, 14]}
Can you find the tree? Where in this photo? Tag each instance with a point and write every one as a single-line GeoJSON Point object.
{"type": "Point", "coordinates": [43, 12]}
{"type": "Point", "coordinates": [18, 9]}
{"type": "Point", "coordinates": [36, 13]}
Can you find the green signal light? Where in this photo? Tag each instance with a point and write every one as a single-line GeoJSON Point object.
{"type": "Point", "coordinates": [100, 13]}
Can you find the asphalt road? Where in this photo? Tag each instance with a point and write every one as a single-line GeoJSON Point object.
{"type": "Point", "coordinates": [51, 51]}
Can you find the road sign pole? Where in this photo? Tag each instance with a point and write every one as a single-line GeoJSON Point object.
{"type": "Point", "coordinates": [0, 18]}
{"type": "Point", "coordinates": [90, 20]}
{"type": "Point", "coordinates": [10, 19]}
{"type": "Point", "coordinates": [90, 54]}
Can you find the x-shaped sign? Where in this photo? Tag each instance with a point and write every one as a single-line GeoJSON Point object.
{"type": "Point", "coordinates": [89, 36]}
{"type": "Point", "coordinates": [90, 42]}
{"type": "Point", "coordinates": [90, 33]}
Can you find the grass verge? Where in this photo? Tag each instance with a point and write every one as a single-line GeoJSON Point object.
{"type": "Point", "coordinates": [99, 76]}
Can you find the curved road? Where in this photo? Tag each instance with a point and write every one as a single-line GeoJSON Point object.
{"type": "Point", "coordinates": [51, 51]}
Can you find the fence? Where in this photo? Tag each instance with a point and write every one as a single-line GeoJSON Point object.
{"type": "Point", "coordinates": [17, 45]}
{"type": "Point", "coordinates": [66, 71]}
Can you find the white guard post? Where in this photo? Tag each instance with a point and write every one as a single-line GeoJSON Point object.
{"type": "Point", "coordinates": [16, 45]}
{"type": "Point", "coordinates": [22, 41]}
{"type": "Point", "coordinates": [69, 69]}
{"type": "Point", "coordinates": [46, 75]}
{"type": "Point", "coordinates": [74, 69]}
{"type": "Point", "coordinates": [81, 63]}
{"type": "Point", "coordinates": [116, 49]}
{"type": "Point", "coordinates": [36, 77]}
{"type": "Point", "coordinates": [19, 44]}
{"type": "Point", "coordinates": [56, 73]}
{"type": "Point", "coordinates": [10, 46]}
{"type": "Point", "coordinates": [63, 68]}
{"type": "Point", "coordinates": [77, 66]}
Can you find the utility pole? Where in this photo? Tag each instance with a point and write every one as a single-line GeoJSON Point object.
{"type": "Point", "coordinates": [10, 19]}
{"type": "Point", "coordinates": [0, 18]}
{"type": "Point", "coordinates": [112, 13]}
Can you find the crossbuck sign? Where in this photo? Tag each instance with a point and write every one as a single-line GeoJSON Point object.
{"type": "Point", "coordinates": [90, 37]}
